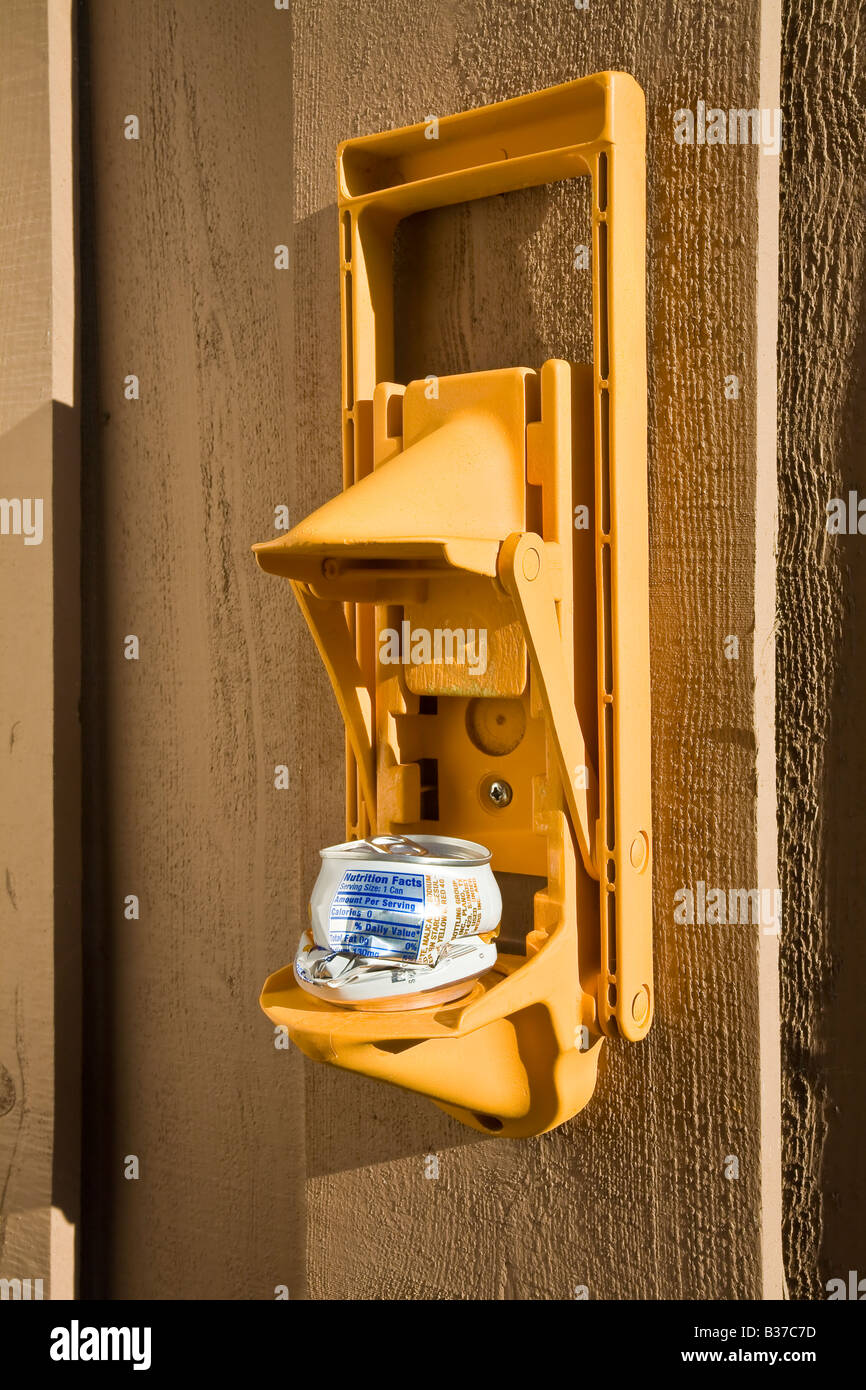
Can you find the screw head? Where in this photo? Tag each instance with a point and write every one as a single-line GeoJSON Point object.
{"type": "Point", "coordinates": [499, 792]}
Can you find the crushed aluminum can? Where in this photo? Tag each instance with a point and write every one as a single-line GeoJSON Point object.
{"type": "Point", "coordinates": [402, 899]}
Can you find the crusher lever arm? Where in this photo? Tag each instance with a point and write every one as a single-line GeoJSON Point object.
{"type": "Point", "coordinates": [524, 572]}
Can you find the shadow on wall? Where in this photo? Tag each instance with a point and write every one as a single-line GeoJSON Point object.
{"type": "Point", "coordinates": [500, 282]}
{"type": "Point", "coordinates": [843, 1065]}
{"type": "Point", "coordinates": [33, 1028]}
{"type": "Point", "coordinates": [354, 1122]}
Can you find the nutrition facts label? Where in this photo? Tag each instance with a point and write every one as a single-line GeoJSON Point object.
{"type": "Point", "coordinates": [401, 916]}
{"type": "Point", "coordinates": [378, 913]}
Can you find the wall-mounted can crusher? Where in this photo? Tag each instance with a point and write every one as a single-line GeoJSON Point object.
{"type": "Point", "coordinates": [457, 515]}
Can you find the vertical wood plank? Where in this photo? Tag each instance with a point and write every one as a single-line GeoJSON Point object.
{"type": "Point", "coordinates": [182, 743]}
{"type": "Point", "coordinates": [822, 656]}
{"type": "Point", "coordinates": [764, 642]}
{"type": "Point", "coordinates": [40, 883]}
{"type": "Point", "coordinates": [631, 1199]}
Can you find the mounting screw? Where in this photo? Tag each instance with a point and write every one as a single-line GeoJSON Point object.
{"type": "Point", "coordinates": [330, 568]}
{"type": "Point", "coordinates": [499, 792]}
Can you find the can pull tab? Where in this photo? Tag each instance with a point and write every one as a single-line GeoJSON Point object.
{"type": "Point", "coordinates": [389, 844]}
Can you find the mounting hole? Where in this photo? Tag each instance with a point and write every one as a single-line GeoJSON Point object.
{"type": "Point", "coordinates": [495, 726]}
{"type": "Point", "coordinates": [491, 1122]}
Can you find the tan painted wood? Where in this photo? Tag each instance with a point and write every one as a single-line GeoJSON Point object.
{"type": "Point", "coordinates": [822, 655]}
{"type": "Point", "coordinates": [631, 1198]}
{"type": "Point", "coordinates": [237, 362]}
{"type": "Point", "coordinates": [40, 886]}
{"type": "Point", "coordinates": [182, 744]}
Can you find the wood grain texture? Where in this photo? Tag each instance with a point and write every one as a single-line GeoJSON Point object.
{"type": "Point", "coordinates": [821, 664]}
{"type": "Point", "coordinates": [40, 887]}
{"type": "Point", "coordinates": [182, 744]}
{"type": "Point", "coordinates": [237, 362]}
{"type": "Point", "coordinates": [629, 1199]}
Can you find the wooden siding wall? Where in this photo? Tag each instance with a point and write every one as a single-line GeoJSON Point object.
{"type": "Point", "coordinates": [256, 1169]}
